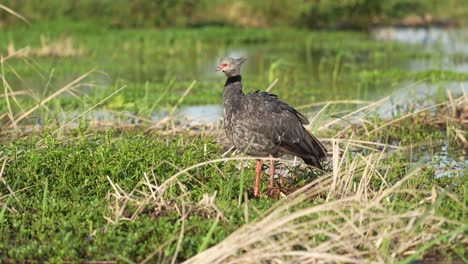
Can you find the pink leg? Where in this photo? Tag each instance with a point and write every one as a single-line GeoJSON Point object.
{"type": "Point", "coordinates": [258, 171]}
{"type": "Point", "coordinates": [272, 172]}
{"type": "Point", "coordinates": [271, 189]}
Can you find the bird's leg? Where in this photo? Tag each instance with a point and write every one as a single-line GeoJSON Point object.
{"type": "Point", "coordinates": [271, 190]}
{"type": "Point", "coordinates": [258, 171]}
{"type": "Point", "coordinates": [272, 172]}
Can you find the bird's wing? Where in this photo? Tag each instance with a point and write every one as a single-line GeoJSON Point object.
{"type": "Point", "coordinates": [283, 125]}
{"type": "Point", "coordinates": [273, 104]}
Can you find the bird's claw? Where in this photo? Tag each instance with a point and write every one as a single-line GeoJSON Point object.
{"type": "Point", "coordinates": [273, 192]}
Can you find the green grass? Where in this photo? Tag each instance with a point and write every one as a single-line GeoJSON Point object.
{"type": "Point", "coordinates": [66, 187]}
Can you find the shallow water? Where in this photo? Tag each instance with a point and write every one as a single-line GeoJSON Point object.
{"type": "Point", "coordinates": [447, 41]}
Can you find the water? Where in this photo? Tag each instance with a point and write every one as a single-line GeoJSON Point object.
{"type": "Point", "coordinates": [447, 41]}
{"type": "Point", "coordinates": [200, 114]}
{"type": "Point", "coordinates": [185, 116]}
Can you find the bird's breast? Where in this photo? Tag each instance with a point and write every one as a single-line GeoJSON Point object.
{"type": "Point", "coordinates": [246, 138]}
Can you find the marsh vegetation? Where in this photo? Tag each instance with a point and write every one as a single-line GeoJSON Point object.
{"type": "Point", "coordinates": [98, 164]}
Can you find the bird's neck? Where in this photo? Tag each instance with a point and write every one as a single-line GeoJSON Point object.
{"type": "Point", "coordinates": [233, 86]}
{"type": "Point", "coordinates": [232, 95]}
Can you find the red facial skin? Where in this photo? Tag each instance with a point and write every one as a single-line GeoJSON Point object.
{"type": "Point", "coordinates": [221, 67]}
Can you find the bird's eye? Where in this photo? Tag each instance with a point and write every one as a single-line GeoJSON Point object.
{"type": "Point", "coordinates": [223, 65]}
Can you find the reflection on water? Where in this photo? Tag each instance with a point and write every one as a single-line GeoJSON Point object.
{"type": "Point", "coordinates": [447, 41]}
{"type": "Point", "coordinates": [419, 95]}
{"type": "Point", "coordinates": [199, 115]}
{"type": "Point", "coordinates": [445, 63]}
{"type": "Point", "coordinates": [445, 165]}
{"type": "Point", "coordinates": [185, 115]}
{"type": "Point", "coordinates": [450, 44]}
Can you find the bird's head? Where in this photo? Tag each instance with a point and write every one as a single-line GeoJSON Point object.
{"type": "Point", "coordinates": [230, 66]}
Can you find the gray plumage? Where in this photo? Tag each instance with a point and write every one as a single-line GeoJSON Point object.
{"type": "Point", "coordinates": [259, 124]}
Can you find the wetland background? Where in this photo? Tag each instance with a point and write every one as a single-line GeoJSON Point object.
{"type": "Point", "coordinates": [112, 147]}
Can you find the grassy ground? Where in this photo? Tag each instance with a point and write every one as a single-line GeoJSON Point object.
{"type": "Point", "coordinates": [82, 189]}
{"type": "Point", "coordinates": [140, 195]}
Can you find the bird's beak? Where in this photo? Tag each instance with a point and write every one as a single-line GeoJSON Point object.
{"type": "Point", "coordinates": [219, 68]}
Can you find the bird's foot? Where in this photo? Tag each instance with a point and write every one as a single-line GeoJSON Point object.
{"type": "Point", "coordinates": [273, 192]}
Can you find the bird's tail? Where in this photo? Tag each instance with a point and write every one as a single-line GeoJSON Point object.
{"type": "Point", "coordinates": [313, 162]}
{"type": "Point", "coordinates": [316, 151]}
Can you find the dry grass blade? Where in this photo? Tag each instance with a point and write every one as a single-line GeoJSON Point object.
{"type": "Point", "coordinates": [150, 192]}
{"type": "Point", "coordinates": [14, 53]}
{"type": "Point", "coordinates": [14, 13]}
{"type": "Point", "coordinates": [7, 98]}
{"type": "Point", "coordinates": [2, 180]}
{"type": "Point", "coordinates": [313, 120]}
{"type": "Point", "coordinates": [90, 109]}
{"type": "Point", "coordinates": [62, 47]}
{"type": "Point", "coordinates": [16, 93]}
{"type": "Point", "coordinates": [181, 234]}
{"type": "Point", "coordinates": [367, 107]}
{"type": "Point", "coordinates": [271, 85]}
{"type": "Point", "coordinates": [406, 116]}
{"type": "Point", "coordinates": [333, 103]}
{"type": "Point", "coordinates": [361, 143]}
{"type": "Point", "coordinates": [201, 164]}
{"type": "Point", "coordinates": [181, 99]}
{"type": "Point", "coordinates": [67, 87]}
{"type": "Point", "coordinates": [170, 115]}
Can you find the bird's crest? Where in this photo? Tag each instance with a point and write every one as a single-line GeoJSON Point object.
{"type": "Point", "coordinates": [240, 60]}
{"type": "Point", "coordinates": [229, 60]}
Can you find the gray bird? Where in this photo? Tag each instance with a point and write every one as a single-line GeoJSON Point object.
{"type": "Point", "coordinates": [261, 125]}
